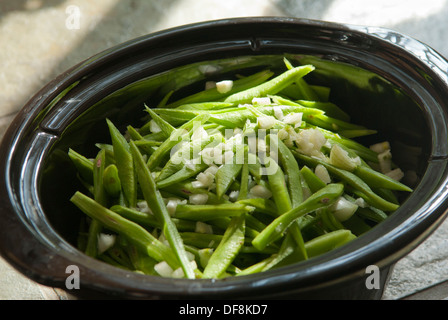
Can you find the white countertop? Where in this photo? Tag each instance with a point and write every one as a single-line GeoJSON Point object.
{"type": "Point", "coordinates": [39, 40]}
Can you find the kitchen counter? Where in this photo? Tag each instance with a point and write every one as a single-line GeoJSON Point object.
{"type": "Point", "coordinates": [42, 38]}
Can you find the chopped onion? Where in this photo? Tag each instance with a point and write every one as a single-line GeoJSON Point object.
{"type": "Point", "coordinates": [202, 227]}
{"type": "Point", "coordinates": [360, 202]}
{"type": "Point", "coordinates": [385, 161]}
{"type": "Point", "coordinates": [322, 173]}
{"type": "Point", "coordinates": [224, 86]}
{"type": "Point", "coordinates": [197, 184]}
{"type": "Point", "coordinates": [380, 146]}
{"type": "Point", "coordinates": [154, 127]}
{"type": "Point", "coordinates": [396, 174]}
{"type": "Point", "coordinates": [205, 178]}
{"type": "Point", "coordinates": [343, 209]}
{"type": "Point", "coordinates": [283, 134]}
{"type": "Point", "coordinates": [142, 206]}
{"type": "Point", "coordinates": [309, 141]}
{"type": "Point", "coordinates": [105, 241]}
{"type": "Point", "coordinates": [211, 170]}
{"type": "Point", "coordinates": [278, 112]}
{"type": "Point", "coordinates": [341, 159]}
{"type": "Point", "coordinates": [233, 196]}
{"type": "Point", "coordinates": [261, 101]}
{"type": "Point", "coordinates": [294, 118]}
{"type": "Point", "coordinates": [260, 191]}
{"type": "Point", "coordinates": [172, 205]}
{"type": "Point", "coordinates": [179, 272]}
{"type": "Point", "coordinates": [198, 198]}
{"type": "Point", "coordinates": [204, 256]}
{"type": "Point", "coordinates": [199, 133]}
{"type": "Point", "coordinates": [163, 269]}
{"type": "Point", "coordinates": [265, 122]}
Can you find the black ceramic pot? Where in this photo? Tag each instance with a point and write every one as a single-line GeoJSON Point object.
{"type": "Point", "coordinates": [384, 79]}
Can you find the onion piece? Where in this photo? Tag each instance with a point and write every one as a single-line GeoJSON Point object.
{"type": "Point", "coordinates": [105, 241]}
{"type": "Point", "coordinates": [224, 86]}
{"type": "Point", "coordinates": [198, 198]}
{"type": "Point", "coordinates": [322, 173]}
{"type": "Point", "coordinates": [343, 209]}
{"type": "Point", "coordinates": [163, 269]}
{"type": "Point", "coordinates": [340, 158]}
{"type": "Point", "coordinates": [260, 191]}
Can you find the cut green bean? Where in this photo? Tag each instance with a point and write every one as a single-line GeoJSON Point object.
{"type": "Point", "coordinates": [321, 198]}
{"type": "Point", "coordinates": [210, 212]}
{"type": "Point", "coordinates": [134, 232]}
{"type": "Point", "coordinates": [153, 197]}
{"type": "Point", "coordinates": [111, 181]}
{"type": "Point", "coordinates": [272, 86]}
{"type": "Point", "coordinates": [227, 249]}
{"type": "Point", "coordinates": [328, 242]}
{"type": "Point", "coordinates": [125, 164]}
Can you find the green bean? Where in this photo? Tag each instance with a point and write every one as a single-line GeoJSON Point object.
{"type": "Point", "coordinates": [213, 94]}
{"type": "Point", "coordinates": [362, 151]}
{"type": "Point", "coordinates": [204, 212]}
{"type": "Point", "coordinates": [354, 181]}
{"type": "Point", "coordinates": [109, 149]}
{"type": "Point", "coordinates": [183, 174]}
{"type": "Point", "coordinates": [329, 221]}
{"type": "Point", "coordinates": [372, 214]}
{"type": "Point", "coordinates": [149, 220]}
{"type": "Point", "coordinates": [261, 204]}
{"type": "Point", "coordinates": [166, 128]}
{"type": "Point", "coordinates": [148, 147]}
{"type": "Point", "coordinates": [321, 198]}
{"type": "Point", "coordinates": [155, 201]}
{"type": "Point", "coordinates": [328, 242]}
{"type": "Point", "coordinates": [83, 165]}
{"type": "Point", "coordinates": [184, 189]}
{"type": "Point", "coordinates": [244, 185]}
{"type": "Point", "coordinates": [291, 168]}
{"type": "Point", "coordinates": [111, 181]}
{"type": "Point", "coordinates": [278, 187]}
{"type": "Point", "coordinates": [377, 180]}
{"type": "Point", "coordinates": [210, 106]}
{"type": "Point", "coordinates": [133, 133]}
{"type": "Point", "coordinates": [312, 180]}
{"type": "Point", "coordinates": [287, 248]}
{"type": "Point", "coordinates": [133, 231]}
{"type": "Point", "coordinates": [227, 249]}
{"type": "Point", "coordinates": [272, 86]}
{"type": "Point", "coordinates": [140, 261]}
{"type": "Point", "coordinates": [125, 164]}
{"type": "Point", "coordinates": [99, 194]}
{"type": "Point", "coordinates": [225, 176]}
{"type": "Point", "coordinates": [282, 200]}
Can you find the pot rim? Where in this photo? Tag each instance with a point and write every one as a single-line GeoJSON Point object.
{"type": "Point", "coordinates": [395, 242]}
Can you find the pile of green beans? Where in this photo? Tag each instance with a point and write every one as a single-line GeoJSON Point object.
{"type": "Point", "coordinates": [250, 174]}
